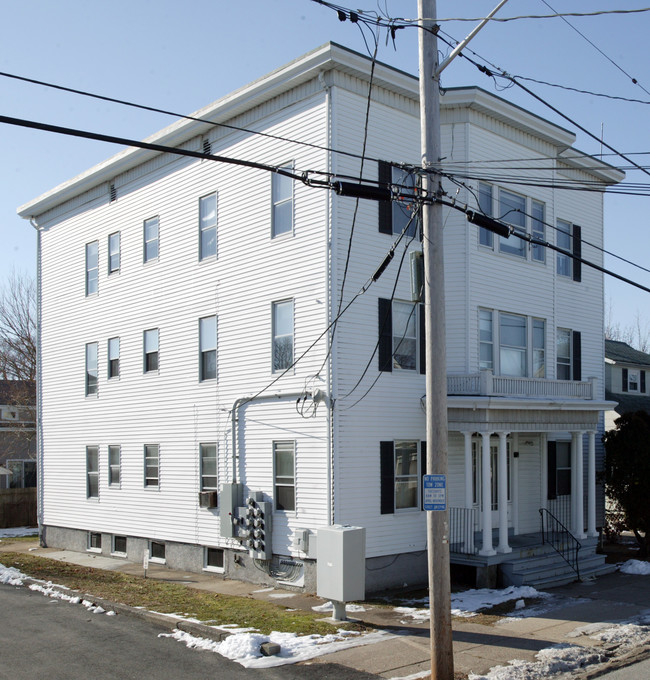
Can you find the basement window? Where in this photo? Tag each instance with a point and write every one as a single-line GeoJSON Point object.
{"type": "Point", "coordinates": [214, 560]}
{"type": "Point", "coordinates": [157, 551]}
{"type": "Point", "coordinates": [94, 541]}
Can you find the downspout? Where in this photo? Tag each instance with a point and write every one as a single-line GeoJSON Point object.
{"type": "Point", "coordinates": [39, 391]}
{"type": "Point", "coordinates": [234, 418]}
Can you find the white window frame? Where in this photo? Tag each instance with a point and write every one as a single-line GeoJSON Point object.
{"type": "Point", "coordinates": [113, 363]}
{"type": "Point", "coordinates": [209, 454]}
{"type": "Point", "coordinates": [212, 568]}
{"type": "Point", "coordinates": [538, 230]}
{"type": "Point", "coordinates": [151, 462]}
{"type": "Point", "coordinates": [282, 203]}
{"type": "Point", "coordinates": [564, 360]}
{"type": "Point", "coordinates": [114, 465]}
{"type": "Point", "coordinates": [486, 206]}
{"type": "Point", "coordinates": [157, 559]}
{"type": "Point", "coordinates": [518, 220]}
{"type": "Point", "coordinates": [282, 363]}
{"type": "Point", "coordinates": [150, 243]}
{"type": "Point", "coordinates": [410, 478]}
{"type": "Point", "coordinates": [92, 472]}
{"type": "Point", "coordinates": [93, 548]}
{"type": "Point", "coordinates": [92, 369]}
{"type": "Point", "coordinates": [405, 335]}
{"type": "Point", "coordinates": [92, 268]}
{"type": "Point", "coordinates": [402, 210]}
{"type": "Point", "coordinates": [114, 551]}
{"type": "Point", "coordinates": [151, 347]}
{"type": "Point", "coordinates": [564, 240]}
{"type": "Point", "coordinates": [207, 348]}
{"type": "Point", "coordinates": [208, 226]}
{"type": "Point", "coordinates": [114, 255]}
{"type": "Point", "coordinates": [284, 481]}
{"type": "Point", "coordinates": [633, 380]}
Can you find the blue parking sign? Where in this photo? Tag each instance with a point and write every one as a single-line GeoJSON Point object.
{"type": "Point", "coordinates": [434, 489]}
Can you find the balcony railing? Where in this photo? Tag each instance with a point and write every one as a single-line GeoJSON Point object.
{"type": "Point", "coordinates": [488, 385]}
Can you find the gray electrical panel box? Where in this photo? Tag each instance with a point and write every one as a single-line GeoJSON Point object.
{"type": "Point", "coordinates": [341, 563]}
{"type": "Point", "coordinates": [231, 497]}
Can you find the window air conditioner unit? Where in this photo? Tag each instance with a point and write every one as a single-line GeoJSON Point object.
{"type": "Point", "coordinates": [208, 499]}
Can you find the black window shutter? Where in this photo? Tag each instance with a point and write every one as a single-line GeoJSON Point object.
{"type": "Point", "coordinates": [577, 252]}
{"type": "Point", "coordinates": [577, 355]}
{"type": "Point", "coordinates": [385, 337]}
{"type": "Point", "coordinates": [642, 386]}
{"type": "Point", "coordinates": [552, 471]}
{"type": "Point", "coordinates": [423, 471]}
{"type": "Point", "coordinates": [625, 380]}
{"type": "Point", "coordinates": [423, 340]}
{"type": "Point", "coordinates": [387, 478]}
{"type": "Point", "coordinates": [385, 177]}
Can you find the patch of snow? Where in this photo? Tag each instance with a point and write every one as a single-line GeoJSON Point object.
{"type": "Point", "coordinates": [18, 531]}
{"type": "Point", "coordinates": [279, 596]}
{"type": "Point", "coordinates": [264, 590]}
{"type": "Point", "coordinates": [328, 607]}
{"type": "Point", "coordinates": [635, 567]}
{"type": "Point", "coordinates": [244, 648]}
{"type": "Point", "coordinates": [11, 576]}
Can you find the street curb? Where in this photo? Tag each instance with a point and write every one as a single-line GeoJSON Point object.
{"type": "Point", "coordinates": [166, 621]}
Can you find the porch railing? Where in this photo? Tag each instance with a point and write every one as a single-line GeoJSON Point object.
{"type": "Point", "coordinates": [487, 384]}
{"type": "Point", "coordinates": [461, 531]}
{"type": "Point", "coordinates": [560, 539]}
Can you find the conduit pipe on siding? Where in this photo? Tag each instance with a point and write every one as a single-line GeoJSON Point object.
{"type": "Point", "coordinates": [235, 418]}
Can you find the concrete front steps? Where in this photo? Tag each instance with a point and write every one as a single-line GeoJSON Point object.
{"type": "Point", "coordinates": [542, 567]}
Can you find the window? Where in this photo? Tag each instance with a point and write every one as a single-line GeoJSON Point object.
{"type": "Point", "coordinates": [150, 250]}
{"type": "Point", "coordinates": [207, 226]}
{"type": "Point", "coordinates": [284, 475]}
{"type": "Point", "coordinates": [92, 267]}
{"type": "Point", "coordinates": [94, 541]}
{"type": "Point", "coordinates": [282, 199]}
{"type": "Point", "coordinates": [486, 340]}
{"type": "Point", "coordinates": [151, 350]}
{"type": "Point", "coordinates": [213, 560]}
{"type": "Point", "coordinates": [512, 210]}
{"type": "Point", "coordinates": [563, 238]}
{"type": "Point", "coordinates": [114, 465]}
{"type": "Point", "coordinates": [538, 253]}
{"type": "Point", "coordinates": [513, 358]}
{"type": "Point", "coordinates": [23, 474]}
{"type": "Point", "coordinates": [91, 368]}
{"type": "Point", "coordinates": [113, 358]}
{"type": "Point", "coordinates": [401, 336]}
{"type": "Point", "coordinates": [515, 346]}
{"type": "Point", "coordinates": [568, 354]}
{"type": "Point", "coordinates": [208, 348]}
{"type": "Point", "coordinates": [402, 463]}
{"type": "Point", "coordinates": [559, 469]}
{"type": "Point", "coordinates": [151, 465]}
{"type": "Point", "coordinates": [114, 252]}
{"type": "Point", "coordinates": [119, 545]}
{"type": "Point", "coordinates": [208, 467]}
{"type": "Point", "coordinates": [282, 335]}
{"type": "Point", "coordinates": [394, 216]}
{"type": "Point", "coordinates": [485, 236]}
{"type": "Point", "coordinates": [633, 380]}
{"type": "Point", "coordinates": [92, 472]}
{"type": "Point", "coordinates": [156, 551]}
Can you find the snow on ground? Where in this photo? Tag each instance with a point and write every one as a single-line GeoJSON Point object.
{"type": "Point", "coordinates": [18, 531]}
{"type": "Point", "coordinates": [328, 607]}
{"type": "Point", "coordinates": [635, 567]}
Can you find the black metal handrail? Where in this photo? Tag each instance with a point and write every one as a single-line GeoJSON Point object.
{"type": "Point", "coordinates": [560, 539]}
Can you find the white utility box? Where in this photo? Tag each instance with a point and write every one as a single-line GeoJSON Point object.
{"type": "Point", "coordinates": [341, 563]}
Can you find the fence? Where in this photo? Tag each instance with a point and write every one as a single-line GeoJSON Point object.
{"type": "Point", "coordinates": [17, 508]}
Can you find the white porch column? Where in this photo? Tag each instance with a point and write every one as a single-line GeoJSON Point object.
{"type": "Point", "coordinates": [502, 493]}
{"type": "Point", "coordinates": [486, 495]}
{"type": "Point", "coordinates": [577, 485]}
{"type": "Point", "coordinates": [469, 473]}
{"type": "Point", "coordinates": [591, 484]}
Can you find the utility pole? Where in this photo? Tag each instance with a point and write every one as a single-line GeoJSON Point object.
{"type": "Point", "coordinates": [442, 657]}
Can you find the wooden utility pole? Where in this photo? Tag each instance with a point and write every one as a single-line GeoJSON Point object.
{"type": "Point", "coordinates": [442, 658]}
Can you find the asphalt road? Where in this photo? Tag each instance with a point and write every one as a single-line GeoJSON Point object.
{"type": "Point", "coordinates": [46, 639]}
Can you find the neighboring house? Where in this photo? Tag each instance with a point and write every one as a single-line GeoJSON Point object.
{"type": "Point", "coordinates": [626, 380]}
{"type": "Point", "coordinates": [17, 434]}
{"type": "Point", "coordinates": [190, 287]}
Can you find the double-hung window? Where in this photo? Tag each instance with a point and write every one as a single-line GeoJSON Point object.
{"type": "Point", "coordinates": [282, 199]}
{"type": "Point", "coordinates": [113, 358]}
{"type": "Point", "coordinates": [91, 368]}
{"type": "Point", "coordinates": [402, 464]}
{"type": "Point", "coordinates": [486, 340]}
{"type": "Point", "coordinates": [568, 354]}
{"type": "Point", "coordinates": [538, 213]}
{"type": "Point", "coordinates": [114, 466]}
{"type": "Point", "coordinates": [405, 335]}
{"type": "Point", "coordinates": [151, 238]}
{"type": "Point", "coordinates": [282, 335]}
{"type": "Point", "coordinates": [208, 348]}
{"type": "Point", "coordinates": [151, 465]}
{"type": "Point", "coordinates": [208, 454]}
{"type": "Point", "coordinates": [284, 474]}
{"type": "Point", "coordinates": [398, 214]}
{"type": "Point", "coordinates": [151, 350]}
{"type": "Point", "coordinates": [633, 380]}
{"type": "Point", "coordinates": [513, 359]}
{"type": "Point", "coordinates": [114, 252]}
{"type": "Point", "coordinates": [485, 196]}
{"type": "Point", "coordinates": [92, 267]}
{"type": "Point", "coordinates": [207, 226]}
{"type": "Point", "coordinates": [563, 239]}
{"type": "Point", "coordinates": [92, 471]}
{"type": "Point", "coordinates": [512, 210]}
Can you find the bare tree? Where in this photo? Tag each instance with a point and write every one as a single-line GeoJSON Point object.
{"type": "Point", "coordinates": [636, 334]}
{"type": "Point", "coordinates": [18, 328]}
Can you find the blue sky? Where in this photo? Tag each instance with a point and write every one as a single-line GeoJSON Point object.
{"type": "Point", "coordinates": [162, 54]}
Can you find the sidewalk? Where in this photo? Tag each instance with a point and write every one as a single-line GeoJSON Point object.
{"type": "Point", "coordinates": [477, 647]}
